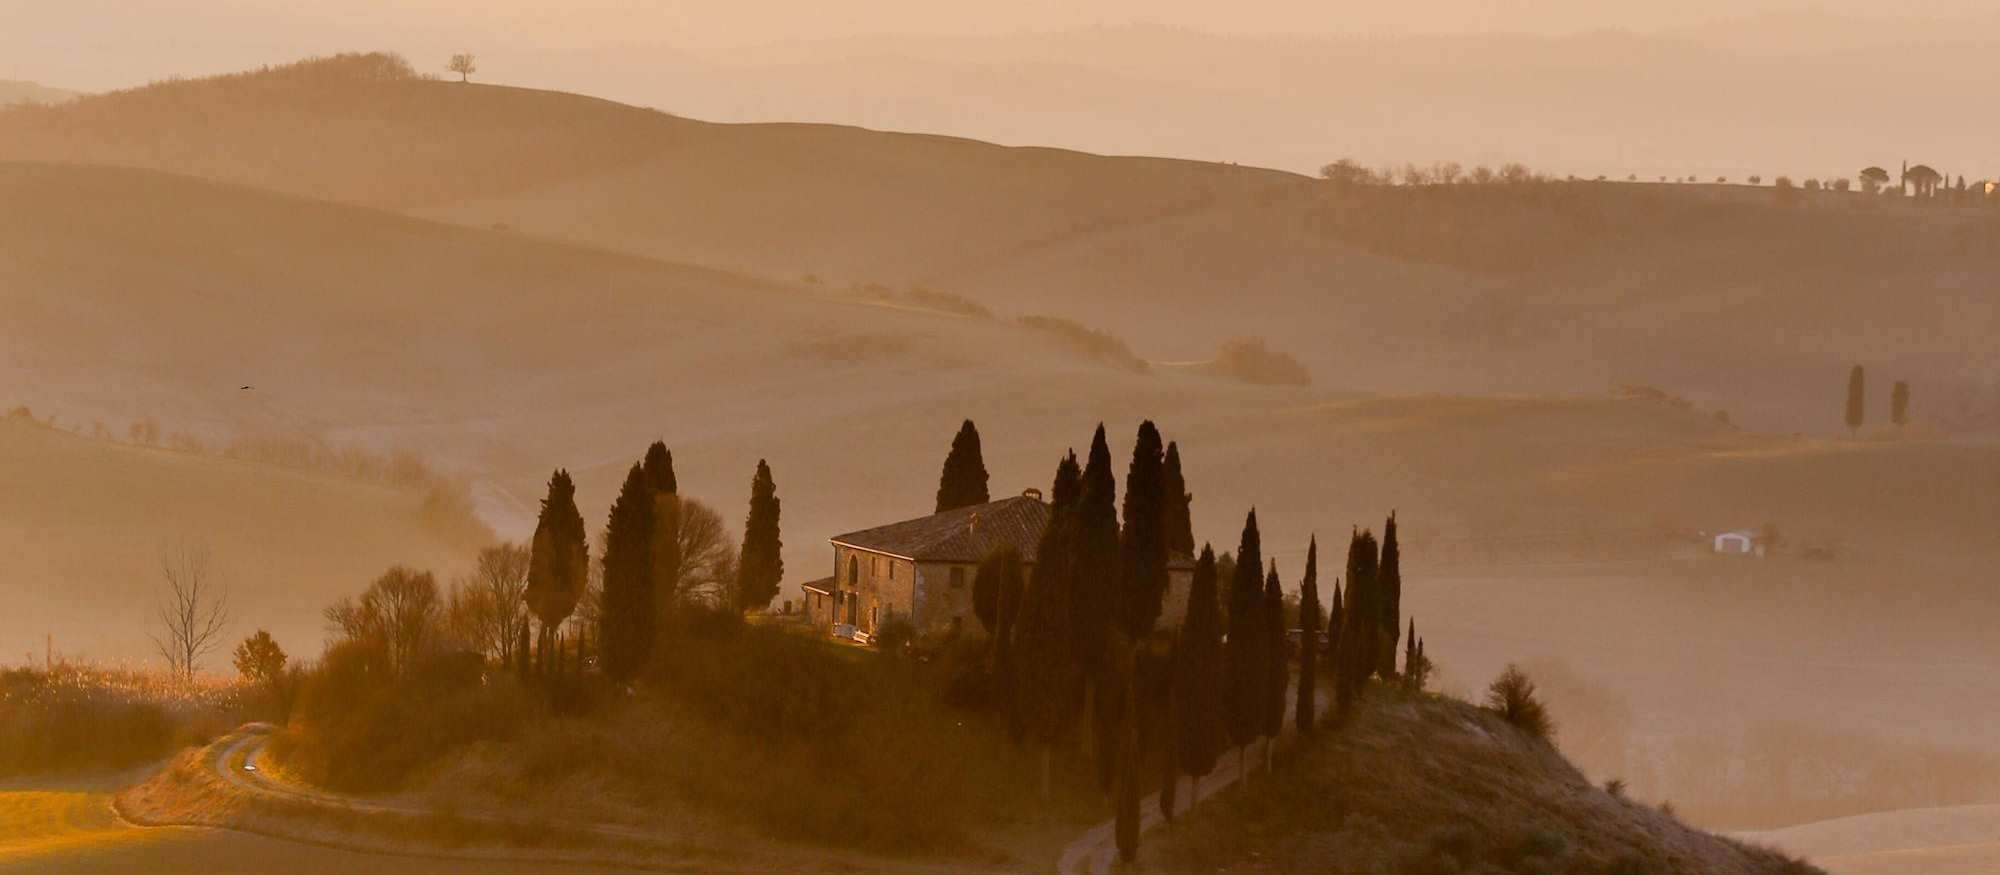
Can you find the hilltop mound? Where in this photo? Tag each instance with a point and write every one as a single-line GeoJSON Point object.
{"type": "Point", "coordinates": [1434, 785]}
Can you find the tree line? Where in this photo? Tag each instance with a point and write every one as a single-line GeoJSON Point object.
{"type": "Point", "coordinates": [1076, 648]}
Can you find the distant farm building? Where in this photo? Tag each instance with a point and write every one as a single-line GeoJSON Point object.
{"type": "Point", "coordinates": [1741, 542]}
{"type": "Point", "coordinates": [922, 569]}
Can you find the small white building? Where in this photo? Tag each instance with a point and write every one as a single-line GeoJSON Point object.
{"type": "Point", "coordinates": [1740, 542]}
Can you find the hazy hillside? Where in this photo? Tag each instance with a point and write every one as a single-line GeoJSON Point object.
{"type": "Point", "coordinates": [84, 522]}
{"type": "Point", "coordinates": [1457, 290]}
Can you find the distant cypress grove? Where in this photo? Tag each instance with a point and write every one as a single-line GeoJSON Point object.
{"type": "Point", "coordinates": [1243, 691]}
{"type": "Point", "coordinates": [1389, 589]}
{"type": "Point", "coordinates": [963, 482]}
{"type": "Point", "coordinates": [1308, 640]}
{"type": "Point", "coordinates": [761, 565]}
{"type": "Point", "coordinates": [626, 627]}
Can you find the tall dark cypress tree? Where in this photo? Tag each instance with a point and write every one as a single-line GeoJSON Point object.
{"type": "Point", "coordinates": [664, 542]}
{"type": "Point", "coordinates": [626, 628]}
{"type": "Point", "coordinates": [1389, 589]}
{"type": "Point", "coordinates": [1095, 553]}
{"type": "Point", "coordinates": [1178, 517]}
{"type": "Point", "coordinates": [1361, 624]}
{"type": "Point", "coordinates": [963, 482]}
{"type": "Point", "coordinates": [1857, 399]}
{"type": "Point", "coordinates": [1277, 675]}
{"type": "Point", "coordinates": [1243, 692]}
{"type": "Point", "coordinates": [1202, 725]}
{"type": "Point", "coordinates": [1899, 403]}
{"type": "Point", "coordinates": [1334, 617]}
{"type": "Point", "coordinates": [1142, 565]}
{"type": "Point", "coordinates": [1308, 640]}
{"type": "Point", "coordinates": [762, 565]}
{"type": "Point", "coordinates": [558, 560]}
{"type": "Point", "coordinates": [1412, 673]}
{"type": "Point", "coordinates": [1047, 679]}
{"type": "Point", "coordinates": [1004, 569]}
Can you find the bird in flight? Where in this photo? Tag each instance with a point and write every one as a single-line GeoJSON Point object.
{"type": "Point", "coordinates": [241, 388]}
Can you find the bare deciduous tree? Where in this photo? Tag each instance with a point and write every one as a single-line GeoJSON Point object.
{"type": "Point", "coordinates": [707, 568]}
{"type": "Point", "coordinates": [194, 609]}
{"type": "Point", "coordinates": [462, 64]}
{"type": "Point", "coordinates": [489, 609]}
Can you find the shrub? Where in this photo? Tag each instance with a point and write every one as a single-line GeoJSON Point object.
{"type": "Point", "coordinates": [79, 718]}
{"type": "Point", "coordinates": [1512, 696]}
{"type": "Point", "coordinates": [895, 635]}
{"type": "Point", "coordinates": [1086, 342]}
{"type": "Point", "coordinates": [1250, 360]}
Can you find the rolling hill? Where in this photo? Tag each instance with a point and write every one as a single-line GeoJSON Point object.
{"type": "Point", "coordinates": [1463, 289]}
{"type": "Point", "coordinates": [85, 521]}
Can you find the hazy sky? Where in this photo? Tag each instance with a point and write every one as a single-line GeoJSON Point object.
{"type": "Point", "coordinates": [99, 44]}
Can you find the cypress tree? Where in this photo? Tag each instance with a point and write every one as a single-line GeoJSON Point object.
{"type": "Point", "coordinates": [963, 482]}
{"type": "Point", "coordinates": [1334, 616]}
{"type": "Point", "coordinates": [1003, 571]}
{"type": "Point", "coordinates": [1126, 791]}
{"type": "Point", "coordinates": [1389, 589]}
{"type": "Point", "coordinates": [1047, 681]}
{"type": "Point", "coordinates": [1360, 627]}
{"type": "Point", "coordinates": [1202, 725]}
{"type": "Point", "coordinates": [1178, 517]}
{"type": "Point", "coordinates": [659, 466]}
{"type": "Point", "coordinates": [1412, 674]}
{"type": "Point", "coordinates": [1142, 564]}
{"type": "Point", "coordinates": [558, 558]}
{"type": "Point", "coordinates": [990, 584]}
{"type": "Point", "coordinates": [1899, 404]}
{"type": "Point", "coordinates": [762, 564]}
{"type": "Point", "coordinates": [1095, 556]}
{"type": "Point", "coordinates": [626, 627]}
{"type": "Point", "coordinates": [1277, 674]}
{"type": "Point", "coordinates": [1857, 399]}
{"type": "Point", "coordinates": [1243, 691]}
{"type": "Point", "coordinates": [664, 541]}
{"type": "Point", "coordinates": [1308, 639]}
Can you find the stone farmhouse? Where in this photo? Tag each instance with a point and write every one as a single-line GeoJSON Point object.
{"type": "Point", "coordinates": [922, 569]}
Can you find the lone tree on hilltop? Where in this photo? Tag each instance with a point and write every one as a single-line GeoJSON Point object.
{"type": "Point", "coordinates": [192, 612]}
{"type": "Point", "coordinates": [1142, 564]}
{"type": "Point", "coordinates": [1899, 403]}
{"type": "Point", "coordinates": [1243, 692]}
{"type": "Point", "coordinates": [963, 482]}
{"type": "Point", "coordinates": [462, 64]}
{"type": "Point", "coordinates": [1873, 178]}
{"type": "Point", "coordinates": [627, 622]}
{"type": "Point", "coordinates": [1857, 399]}
{"type": "Point", "coordinates": [762, 565]}
{"type": "Point", "coordinates": [558, 559]}
{"type": "Point", "coordinates": [1308, 638]}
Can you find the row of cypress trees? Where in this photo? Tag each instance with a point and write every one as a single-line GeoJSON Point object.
{"type": "Point", "coordinates": [642, 561]}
